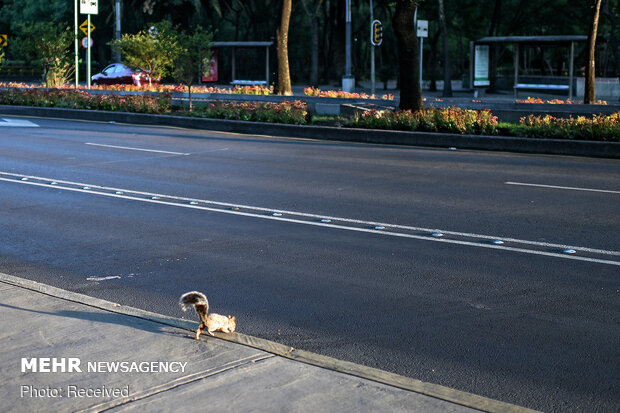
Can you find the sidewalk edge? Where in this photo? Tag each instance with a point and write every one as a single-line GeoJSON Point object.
{"type": "Point", "coordinates": [429, 389]}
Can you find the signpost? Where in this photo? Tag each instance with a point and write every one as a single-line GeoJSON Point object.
{"type": "Point", "coordinates": [88, 7]}
{"type": "Point", "coordinates": [86, 28]}
{"type": "Point", "coordinates": [421, 32]}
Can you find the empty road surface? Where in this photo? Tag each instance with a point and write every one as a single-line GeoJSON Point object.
{"type": "Point", "coordinates": [493, 273]}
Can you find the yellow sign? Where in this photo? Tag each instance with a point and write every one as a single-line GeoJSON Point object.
{"type": "Point", "coordinates": [85, 29]}
{"type": "Point", "coordinates": [3, 40]}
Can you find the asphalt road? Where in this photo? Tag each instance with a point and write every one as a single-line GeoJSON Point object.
{"type": "Point", "coordinates": [444, 265]}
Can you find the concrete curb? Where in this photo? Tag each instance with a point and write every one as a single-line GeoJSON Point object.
{"type": "Point", "coordinates": [369, 373]}
{"type": "Point", "coordinates": [423, 139]}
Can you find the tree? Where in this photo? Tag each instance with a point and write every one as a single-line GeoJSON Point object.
{"type": "Point", "coordinates": [314, 20]}
{"type": "Point", "coordinates": [408, 55]}
{"type": "Point", "coordinates": [284, 75]}
{"type": "Point", "coordinates": [154, 50]}
{"type": "Point", "coordinates": [613, 16]}
{"type": "Point", "coordinates": [590, 87]}
{"type": "Point", "coordinates": [47, 46]}
{"type": "Point", "coordinates": [447, 75]}
{"type": "Point", "coordinates": [194, 55]}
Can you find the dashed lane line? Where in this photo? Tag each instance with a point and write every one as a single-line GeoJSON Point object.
{"type": "Point", "coordinates": [386, 229]}
{"type": "Point", "coordinates": [129, 148]}
{"type": "Point", "coordinates": [570, 188]}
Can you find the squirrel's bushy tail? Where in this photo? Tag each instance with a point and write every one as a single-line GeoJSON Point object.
{"type": "Point", "coordinates": [198, 300]}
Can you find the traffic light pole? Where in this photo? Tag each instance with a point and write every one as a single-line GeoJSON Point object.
{"type": "Point", "coordinates": [75, 34]}
{"type": "Point", "coordinates": [372, 55]}
{"type": "Point", "coordinates": [348, 81]}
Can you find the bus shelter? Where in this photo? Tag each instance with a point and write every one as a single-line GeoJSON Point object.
{"type": "Point", "coordinates": [238, 45]}
{"type": "Point", "coordinates": [479, 64]}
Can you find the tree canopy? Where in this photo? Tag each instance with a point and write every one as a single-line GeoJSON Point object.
{"type": "Point", "coordinates": [247, 20]}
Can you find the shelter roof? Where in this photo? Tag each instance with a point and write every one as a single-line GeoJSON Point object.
{"type": "Point", "coordinates": [560, 39]}
{"type": "Point", "coordinates": [242, 44]}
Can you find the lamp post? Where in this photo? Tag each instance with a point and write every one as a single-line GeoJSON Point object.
{"type": "Point", "coordinates": [117, 32]}
{"type": "Point", "coordinates": [348, 81]}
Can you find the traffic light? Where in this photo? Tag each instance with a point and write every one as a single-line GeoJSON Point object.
{"type": "Point", "coordinates": [376, 33]}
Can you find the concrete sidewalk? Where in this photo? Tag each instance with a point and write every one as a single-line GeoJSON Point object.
{"type": "Point", "coordinates": [124, 359]}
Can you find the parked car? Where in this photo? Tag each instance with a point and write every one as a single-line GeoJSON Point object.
{"type": "Point", "coordinates": [119, 73]}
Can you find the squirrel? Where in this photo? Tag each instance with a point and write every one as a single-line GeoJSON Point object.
{"type": "Point", "coordinates": [212, 322]}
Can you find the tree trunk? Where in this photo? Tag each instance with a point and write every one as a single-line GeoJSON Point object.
{"type": "Point", "coordinates": [497, 9]}
{"type": "Point", "coordinates": [614, 20]}
{"type": "Point", "coordinates": [408, 55]}
{"type": "Point", "coordinates": [314, 64]}
{"type": "Point", "coordinates": [189, 94]}
{"type": "Point", "coordinates": [590, 88]}
{"type": "Point", "coordinates": [447, 73]}
{"type": "Point", "coordinates": [314, 21]}
{"type": "Point", "coordinates": [284, 75]}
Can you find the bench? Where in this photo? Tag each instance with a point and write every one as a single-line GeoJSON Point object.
{"type": "Point", "coordinates": [248, 82]}
{"type": "Point", "coordinates": [539, 86]}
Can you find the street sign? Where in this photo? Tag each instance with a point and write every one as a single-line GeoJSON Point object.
{"type": "Point", "coordinates": [376, 33]}
{"type": "Point", "coordinates": [3, 40]}
{"type": "Point", "coordinates": [422, 29]}
{"type": "Point", "coordinates": [89, 7]}
{"type": "Point", "coordinates": [85, 42]}
{"type": "Point", "coordinates": [85, 28]}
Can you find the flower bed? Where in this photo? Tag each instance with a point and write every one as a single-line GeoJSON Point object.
{"type": "Point", "coordinates": [295, 112]}
{"type": "Point", "coordinates": [312, 91]}
{"type": "Point", "coordinates": [451, 120]}
{"type": "Point", "coordinates": [75, 99]}
{"type": "Point", "coordinates": [557, 101]}
{"type": "Point", "coordinates": [245, 90]}
{"type": "Point", "coordinates": [599, 127]}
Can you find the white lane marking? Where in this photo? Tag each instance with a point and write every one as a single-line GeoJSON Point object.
{"type": "Point", "coordinates": [20, 123]}
{"type": "Point", "coordinates": [191, 203]}
{"type": "Point", "coordinates": [136, 149]}
{"type": "Point", "coordinates": [112, 277]}
{"type": "Point", "coordinates": [571, 188]}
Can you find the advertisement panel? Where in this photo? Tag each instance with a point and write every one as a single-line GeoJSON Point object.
{"type": "Point", "coordinates": [209, 68]}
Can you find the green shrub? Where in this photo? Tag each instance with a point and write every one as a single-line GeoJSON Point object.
{"type": "Point", "coordinates": [599, 127]}
{"type": "Point", "coordinates": [452, 120]}
{"type": "Point", "coordinates": [295, 112]}
{"type": "Point", "coordinates": [65, 98]}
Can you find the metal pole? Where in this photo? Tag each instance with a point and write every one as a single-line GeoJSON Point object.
{"type": "Point", "coordinates": [471, 65]}
{"type": "Point", "coordinates": [234, 74]}
{"type": "Point", "coordinates": [267, 66]}
{"type": "Point", "coordinates": [75, 38]}
{"type": "Point", "coordinates": [415, 28]}
{"type": "Point", "coordinates": [372, 55]}
{"type": "Point", "coordinates": [421, 58]}
{"type": "Point", "coordinates": [348, 38]}
{"type": "Point", "coordinates": [117, 33]}
{"type": "Point", "coordinates": [88, 55]}
{"type": "Point", "coordinates": [570, 70]}
{"type": "Point", "coordinates": [348, 81]}
{"type": "Point", "coordinates": [516, 69]}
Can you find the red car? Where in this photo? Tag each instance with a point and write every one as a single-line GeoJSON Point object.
{"type": "Point", "coordinates": [118, 73]}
